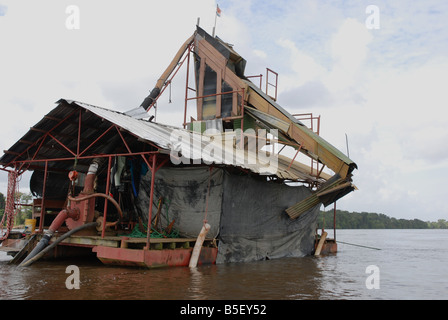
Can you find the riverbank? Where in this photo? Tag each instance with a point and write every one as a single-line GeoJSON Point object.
{"type": "Point", "coordinates": [370, 220]}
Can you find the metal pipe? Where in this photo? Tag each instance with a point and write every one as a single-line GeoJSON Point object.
{"type": "Point", "coordinates": [103, 231]}
{"type": "Point", "coordinates": [55, 225]}
{"type": "Point", "coordinates": [102, 195]}
{"type": "Point", "coordinates": [334, 221]}
{"type": "Point", "coordinates": [186, 86]}
{"type": "Point", "coordinates": [155, 93]}
{"type": "Point", "coordinates": [79, 131]}
{"type": "Point", "coordinates": [40, 251]}
{"type": "Point", "coordinates": [42, 207]}
{"type": "Point", "coordinates": [61, 217]}
{"type": "Point", "coordinates": [88, 157]}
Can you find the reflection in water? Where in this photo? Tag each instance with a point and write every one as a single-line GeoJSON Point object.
{"type": "Point", "coordinates": [294, 278]}
{"type": "Point", "coordinates": [411, 265]}
{"type": "Point", "coordinates": [197, 284]}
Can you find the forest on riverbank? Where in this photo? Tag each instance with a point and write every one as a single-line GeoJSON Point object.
{"type": "Point", "coordinates": [370, 220]}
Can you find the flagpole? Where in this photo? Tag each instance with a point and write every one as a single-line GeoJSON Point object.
{"type": "Point", "coordinates": [216, 16]}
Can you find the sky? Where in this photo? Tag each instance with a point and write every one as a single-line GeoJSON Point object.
{"type": "Point", "coordinates": [377, 78]}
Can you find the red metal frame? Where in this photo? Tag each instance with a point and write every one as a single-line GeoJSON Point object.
{"type": "Point", "coordinates": [186, 84]}
{"type": "Point", "coordinates": [42, 208]}
{"type": "Point", "coordinates": [271, 84]}
{"type": "Point", "coordinates": [257, 76]}
{"type": "Point", "coordinates": [96, 140]}
{"type": "Point", "coordinates": [153, 258]}
{"type": "Point", "coordinates": [60, 143]}
{"type": "Point", "coordinates": [151, 198]}
{"type": "Point", "coordinates": [80, 155]}
{"type": "Point", "coordinates": [309, 117]}
{"type": "Point", "coordinates": [171, 78]}
{"type": "Point", "coordinates": [122, 138]}
{"type": "Point", "coordinates": [44, 137]}
{"type": "Point", "coordinates": [107, 192]}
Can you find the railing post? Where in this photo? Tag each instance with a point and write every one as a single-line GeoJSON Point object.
{"type": "Point", "coordinates": [42, 207]}
{"type": "Point", "coordinates": [151, 198]}
{"type": "Point", "coordinates": [107, 192]}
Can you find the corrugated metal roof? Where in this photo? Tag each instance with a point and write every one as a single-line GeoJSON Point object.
{"type": "Point", "coordinates": [190, 145]}
{"type": "Point", "coordinates": [149, 131]}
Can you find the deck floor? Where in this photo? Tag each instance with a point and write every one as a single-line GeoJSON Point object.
{"type": "Point", "coordinates": [134, 243]}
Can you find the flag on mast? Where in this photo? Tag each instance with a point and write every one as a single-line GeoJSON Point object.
{"type": "Point", "coordinates": [218, 14]}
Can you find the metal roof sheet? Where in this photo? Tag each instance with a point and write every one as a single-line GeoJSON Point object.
{"type": "Point", "coordinates": [192, 146]}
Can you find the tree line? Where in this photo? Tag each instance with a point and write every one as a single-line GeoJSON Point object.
{"type": "Point", "coordinates": [369, 220]}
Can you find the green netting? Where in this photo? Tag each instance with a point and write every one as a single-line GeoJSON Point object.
{"type": "Point", "coordinates": [136, 233]}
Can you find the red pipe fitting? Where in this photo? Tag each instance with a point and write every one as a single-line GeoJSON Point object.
{"type": "Point", "coordinates": [62, 216]}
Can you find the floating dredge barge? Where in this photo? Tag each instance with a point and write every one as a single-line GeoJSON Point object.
{"type": "Point", "coordinates": [216, 190]}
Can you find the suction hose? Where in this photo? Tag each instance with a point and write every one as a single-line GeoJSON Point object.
{"type": "Point", "coordinates": [42, 247]}
{"type": "Point", "coordinates": [101, 195]}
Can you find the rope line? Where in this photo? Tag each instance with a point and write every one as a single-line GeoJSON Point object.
{"type": "Point", "coordinates": [10, 205]}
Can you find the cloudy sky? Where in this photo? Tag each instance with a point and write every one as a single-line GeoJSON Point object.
{"type": "Point", "coordinates": [383, 88]}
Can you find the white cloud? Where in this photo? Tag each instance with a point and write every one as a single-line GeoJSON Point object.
{"type": "Point", "coordinates": [260, 53]}
{"type": "Point", "coordinates": [349, 48]}
{"type": "Point", "coordinates": [303, 67]}
{"type": "Point", "coordinates": [3, 10]}
{"type": "Point", "coordinates": [385, 88]}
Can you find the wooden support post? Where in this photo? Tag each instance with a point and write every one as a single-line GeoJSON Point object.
{"type": "Point", "coordinates": [124, 243]}
{"type": "Point", "coordinates": [321, 243]}
{"type": "Point", "coordinates": [197, 247]}
{"type": "Point", "coordinates": [157, 246]}
{"type": "Point", "coordinates": [171, 245]}
{"type": "Point", "coordinates": [186, 245]}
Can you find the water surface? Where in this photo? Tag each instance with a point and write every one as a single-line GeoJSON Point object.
{"type": "Point", "coordinates": [411, 265]}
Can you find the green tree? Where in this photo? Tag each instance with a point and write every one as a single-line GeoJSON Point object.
{"type": "Point", "coordinates": [369, 220]}
{"type": "Point", "coordinates": [25, 210]}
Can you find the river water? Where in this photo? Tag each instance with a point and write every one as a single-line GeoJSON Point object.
{"type": "Point", "coordinates": [410, 265]}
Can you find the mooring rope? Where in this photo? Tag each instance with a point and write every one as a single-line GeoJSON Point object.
{"type": "Point", "coordinates": [358, 245]}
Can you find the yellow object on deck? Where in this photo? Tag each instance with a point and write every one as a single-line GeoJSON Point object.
{"type": "Point", "coordinates": [30, 225]}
